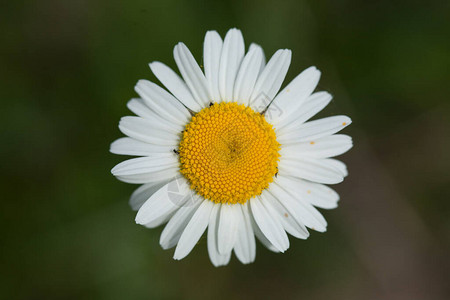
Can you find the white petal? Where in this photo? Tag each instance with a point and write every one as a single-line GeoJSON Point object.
{"type": "Point", "coordinates": [245, 247]}
{"type": "Point", "coordinates": [147, 131]}
{"type": "Point", "coordinates": [301, 210]}
{"type": "Point", "coordinates": [230, 60]}
{"type": "Point", "coordinates": [147, 169]}
{"type": "Point", "coordinates": [146, 164]}
{"type": "Point", "coordinates": [228, 225]}
{"type": "Point", "coordinates": [161, 102]}
{"type": "Point", "coordinates": [314, 130]}
{"type": "Point", "coordinates": [217, 259]}
{"type": "Point", "coordinates": [329, 146]}
{"type": "Point", "coordinates": [212, 49]}
{"type": "Point", "coordinates": [263, 58]}
{"type": "Point", "coordinates": [308, 108]}
{"type": "Point", "coordinates": [247, 75]}
{"type": "Point", "coordinates": [258, 233]}
{"type": "Point", "coordinates": [163, 174]}
{"type": "Point", "coordinates": [192, 74]}
{"type": "Point", "coordinates": [287, 215]}
{"type": "Point", "coordinates": [270, 80]}
{"type": "Point", "coordinates": [338, 165]}
{"type": "Point", "coordinates": [130, 146]}
{"type": "Point", "coordinates": [174, 228]}
{"type": "Point", "coordinates": [163, 203]}
{"type": "Point", "coordinates": [312, 169]}
{"type": "Point", "coordinates": [194, 230]}
{"type": "Point", "coordinates": [315, 193]}
{"type": "Point", "coordinates": [139, 107]}
{"type": "Point", "coordinates": [295, 93]}
{"type": "Point", "coordinates": [144, 192]}
{"type": "Point", "coordinates": [269, 224]}
{"type": "Point", "coordinates": [175, 85]}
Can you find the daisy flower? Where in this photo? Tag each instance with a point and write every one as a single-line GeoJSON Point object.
{"type": "Point", "coordinates": [225, 151]}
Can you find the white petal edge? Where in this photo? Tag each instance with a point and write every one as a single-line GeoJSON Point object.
{"type": "Point", "coordinates": [194, 230]}
{"type": "Point", "coordinates": [317, 194]}
{"type": "Point", "coordinates": [164, 202]}
{"type": "Point", "coordinates": [216, 258]}
{"type": "Point", "coordinates": [178, 222]}
{"type": "Point", "coordinates": [263, 58]}
{"type": "Point", "coordinates": [269, 224]}
{"type": "Point", "coordinates": [245, 246]}
{"type": "Point", "coordinates": [230, 60]}
{"type": "Point", "coordinates": [287, 215]}
{"type": "Point", "coordinates": [301, 210]}
{"type": "Point", "coordinates": [143, 193]}
{"type": "Point", "coordinates": [147, 169]}
{"type": "Point", "coordinates": [148, 131]}
{"type": "Point", "coordinates": [295, 93]}
{"type": "Point", "coordinates": [247, 75]}
{"type": "Point", "coordinates": [175, 85]}
{"type": "Point", "coordinates": [212, 50]}
{"type": "Point", "coordinates": [338, 165]}
{"type": "Point", "coordinates": [316, 170]}
{"type": "Point", "coordinates": [192, 74]}
{"type": "Point", "coordinates": [139, 107]}
{"type": "Point", "coordinates": [258, 233]}
{"type": "Point", "coordinates": [130, 146]}
{"type": "Point", "coordinates": [306, 110]}
{"type": "Point", "coordinates": [325, 147]}
{"type": "Point", "coordinates": [154, 176]}
{"type": "Point", "coordinates": [228, 226]}
{"type": "Point", "coordinates": [147, 164]}
{"type": "Point", "coordinates": [311, 216]}
{"type": "Point", "coordinates": [313, 130]}
{"type": "Point", "coordinates": [161, 102]}
{"type": "Point", "coordinates": [270, 80]}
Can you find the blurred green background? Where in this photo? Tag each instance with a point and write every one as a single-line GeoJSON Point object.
{"type": "Point", "coordinates": [67, 71]}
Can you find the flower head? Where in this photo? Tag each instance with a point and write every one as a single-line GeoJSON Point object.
{"type": "Point", "coordinates": [225, 151]}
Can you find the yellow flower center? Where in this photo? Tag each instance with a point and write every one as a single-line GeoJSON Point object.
{"type": "Point", "coordinates": [229, 153]}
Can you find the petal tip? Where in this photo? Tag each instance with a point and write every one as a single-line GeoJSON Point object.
{"type": "Point", "coordinates": [154, 64]}
{"type": "Point", "coordinates": [139, 220]}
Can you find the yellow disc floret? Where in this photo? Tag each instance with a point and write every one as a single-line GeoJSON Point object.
{"type": "Point", "coordinates": [229, 153]}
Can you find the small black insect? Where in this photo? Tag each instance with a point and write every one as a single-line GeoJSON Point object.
{"type": "Point", "coordinates": [211, 104]}
{"type": "Point", "coordinates": [176, 151]}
